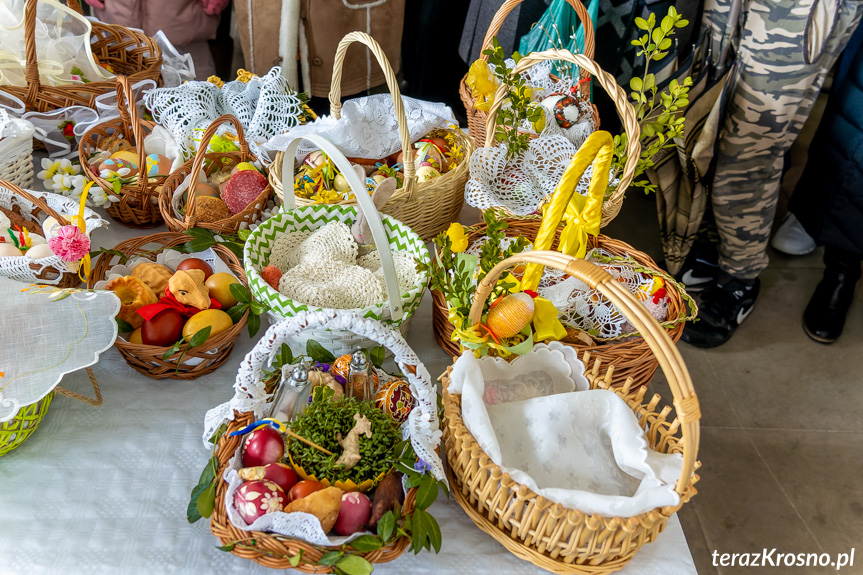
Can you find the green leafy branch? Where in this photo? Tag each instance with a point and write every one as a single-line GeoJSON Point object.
{"type": "Point", "coordinates": [245, 302]}
{"type": "Point", "coordinates": [203, 498]}
{"type": "Point", "coordinates": [516, 109]}
{"type": "Point", "coordinates": [203, 239]}
{"type": "Point", "coordinates": [661, 117]}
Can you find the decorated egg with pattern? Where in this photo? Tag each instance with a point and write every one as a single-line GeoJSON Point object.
{"type": "Point", "coordinates": [254, 499]}
{"type": "Point", "coordinates": [396, 400]}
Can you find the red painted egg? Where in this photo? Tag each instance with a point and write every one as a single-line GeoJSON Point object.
{"type": "Point", "coordinates": [164, 329]}
{"type": "Point", "coordinates": [254, 499]}
{"type": "Point", "coordinates": [196, 264]}
{"type": "Point", "coordinates": [396, 400]}
{"type": "Point", "coordinates": [262, 446]}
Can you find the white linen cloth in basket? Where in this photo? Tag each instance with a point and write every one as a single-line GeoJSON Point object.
{"type": "Point", "coordinates": [582, 449]}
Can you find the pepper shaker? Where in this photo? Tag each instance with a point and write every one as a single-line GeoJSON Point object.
{"type": "Point", "coordinates": [293, 395]}
{"type": "Point", "coordinates": [360, 377]}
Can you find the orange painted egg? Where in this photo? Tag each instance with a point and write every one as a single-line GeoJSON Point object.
{"type": "Point", "coordinates": [510, 315]}
{"type": "Point", "coordinates": [396, 400]}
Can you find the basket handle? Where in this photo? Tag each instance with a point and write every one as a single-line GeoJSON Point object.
{"type": "Point", "coordinates": [31, 70]}
{"type": "Point", "coordinates": [583, 16]}
{"type": "Point", "coordinates": [410, 181]}
{"type": "Point", "coordinates": [36, 200]}
{"type": "Point", "coordinates": [685, 400]}
{"type": "Point", "coordinates": [129, 116]}
{"type": "Point", "coordinates": [611, 206]}
{"type": "Point", "coordinates": [200, 156]}
{"type": "Point", "coordinates": [364, 204]}
{"type": "Point", "coordinates": [88, 400]}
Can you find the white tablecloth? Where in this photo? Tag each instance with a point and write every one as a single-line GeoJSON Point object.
{"type": "Point", "coordinates": [105, 489]}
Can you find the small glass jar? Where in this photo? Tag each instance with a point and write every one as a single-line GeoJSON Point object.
{"type": "Point", "coordinates": [360, 378]}
{"type": "Point", "coordinates": [292, 398]}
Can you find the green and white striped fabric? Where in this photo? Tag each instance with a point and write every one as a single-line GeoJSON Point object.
{"type": "Point", "coordinates": [258, 246]}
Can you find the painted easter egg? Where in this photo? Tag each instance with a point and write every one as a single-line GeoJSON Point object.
{"type": "Point", "coordinates": [256, 498]}
{"type": "Point", "coordinates": [115, 165]}
{"type": "Point", "coordinates": [396, 400]}
{"type": "Point", "coordinates": [158, 165]}
{"type": "Point", "coordinates": [426, 173]}
{"type": "Point", "coordinates": [510, 315]}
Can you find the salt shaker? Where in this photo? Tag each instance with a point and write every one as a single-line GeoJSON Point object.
{"type": "Point", "coordinates": [293, 396]}
{"type": "Point", "coordinates": [360, 377]}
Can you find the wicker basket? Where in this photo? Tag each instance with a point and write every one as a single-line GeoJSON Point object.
{"type": "Point", "coordinates": [611, 204]}
{"type": "Point", "coordinates": [128, 52]}
{"type": "Point", "coordinates": [218, 161]}
{"type": "Point", "coordinates": [36, 207]}
{"type": "Point", "coordinates": [427, 207]}
{"type": "Point", "coordinates": [630, 359]}
{"type": "Point", "coordinates": [549, 535]}
{"type": "Point", "coordinates": [16, 431]}
{"type": "Point", "coordinates": [476, 119]}
{"type": "Point", "coordinates": [137, 204]}
{"type": "Point", "coordinates": [273, 550]}
{"type": "Point", "coordinates": [16, 153]}
{"type": "Point", "coordinates": [385, 230]}
{"type": "Point", "coordinates": [147, 359]}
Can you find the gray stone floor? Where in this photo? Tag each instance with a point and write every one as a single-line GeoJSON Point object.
{"type": "Point", "coordinates": [781, 432]}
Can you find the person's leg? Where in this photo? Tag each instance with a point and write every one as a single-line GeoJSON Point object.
{"type": "Point", "coordinates": [782, 68]}
{"type": "Point", "coordinates": [825, 315]}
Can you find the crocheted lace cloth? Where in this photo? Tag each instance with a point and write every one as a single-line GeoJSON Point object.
{"type": "Point", "coordinates": [586, 309]}
{"type": "Point", "coordinates": [18, 268]}
{"type": "Point", "coordinates": [422, 425]}
{"type": "Point", "coordinates": [322, 268]}
{"type": "Point", "coordinates": [368, 127]}
{"type": "Point", "coordinates": [265, 106]}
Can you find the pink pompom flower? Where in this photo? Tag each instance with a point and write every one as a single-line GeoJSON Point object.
{"type": "Point", "coordinates": [70, 244]}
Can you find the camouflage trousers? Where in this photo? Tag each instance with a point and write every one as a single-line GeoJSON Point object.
{"type": "Point", "coordinates": [786, 48]}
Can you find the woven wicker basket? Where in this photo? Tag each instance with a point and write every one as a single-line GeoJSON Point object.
{"type": "Point", "coordinates": [16, 153]}
{"type": "Point", "coordinates": [35, 207]}
{"type": "Point", "coordinates": [128, 52]}
{"type": "Point", "coordinates": [147, 359]}
{"type": "Point", "coordinates": [218, 161]}
{"type": "Point", "coordinates": [385, 230]}
{"type": "Point", "coordinates": [16, 431]}
{"type": "Point", "coordinates": [630, 359]}
{"type": "Point", "coordinates": [427, 207]}
{"type": "Point", "coordinates": [547, 534]}
{"type": "Point", "coordinates": [138, 201]}
{"type": "Point", "coordinates": [273, 550]}
{"type": "Point", "coordinates": [611, 204]}
{"type": "Point", "coordinates": [476, 119]}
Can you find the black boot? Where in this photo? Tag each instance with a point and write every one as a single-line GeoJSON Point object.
{"type": "Point", "coordinates": [825, 315]}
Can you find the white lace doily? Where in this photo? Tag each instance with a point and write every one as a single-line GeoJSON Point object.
{"type": "Point", "coordinates": [266, 106]}
{"type": "Point", "coordinates": [18, 268]}
{"type": "Point", "coordinates": [368, 127]}
{"type": "Point", "coordinates": [44, 340]}
{"type": "Point", "coordinates": [519, 184]}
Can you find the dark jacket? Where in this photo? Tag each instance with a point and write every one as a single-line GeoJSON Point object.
{"type": "Point", "coordinates": [828, 200]}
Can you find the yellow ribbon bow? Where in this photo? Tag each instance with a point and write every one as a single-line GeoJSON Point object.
{"type": "Point", "coordinates": [582, 214]}
{"type": "Point", "coordinates": [82, 225]}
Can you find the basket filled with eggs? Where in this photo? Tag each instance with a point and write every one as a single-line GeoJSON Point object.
{"type": "Point", "coordinates": [221, 191]}
{"type": "Point", "coordinates": [322, 463]}
{"type": "Point", "coordinates": [337, 257]}
{"type": "Point", "coordinates": [113, 154]}
{"type": "Point", "coordinates": [541, 445]}
{"type": "Point", "coordinates": [478, 85]}
{"type": "Point", "coordinates": [39, 243]}
{"type": "Point", "coordinates": [181, 313]}
{"type": "Point", "coordinates": [536, 304]}
{"type": "Point", "coordinates": [431, 168]}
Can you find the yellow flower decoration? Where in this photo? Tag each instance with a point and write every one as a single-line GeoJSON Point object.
{"type": "Point", "coordinates": [327, 197]}
{"type": "Point", "coordinates": [244, 76]}
{"type": "Point", "coordinates": [482, 84]}
{"type": "Point", "coordinates": [217, 81]}
{"type": "Point", "coordinates": [456, 236]}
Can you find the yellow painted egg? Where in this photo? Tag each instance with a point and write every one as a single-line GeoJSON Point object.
{"type": "Point", "coordinates": [130, 156]}
{"type": "Point", "coordinates": [396, 400]}
{"type": "Point", "coordinates": [218, 321]}
{"type": "Point", "coordinates": [426, 173]}
{"type": "Point", "coordinates": [510, 315]}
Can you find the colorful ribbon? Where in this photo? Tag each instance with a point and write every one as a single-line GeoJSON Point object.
{"type": "Point", "coordinates": [78, 220]}
{"type": "Point", "coordinates": [274, 423]}
{"type": "Point", "coordinates": [168, 301]}
{"type": "Point", "coordinates": [582, 214]}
